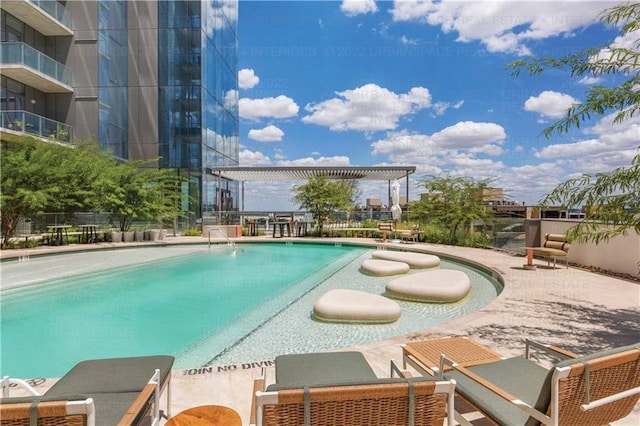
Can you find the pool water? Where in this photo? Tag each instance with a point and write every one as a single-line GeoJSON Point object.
{"type": "Point", "coordinates": [154, 308]}
{"type": "Point", "coordinates": [205, 306]}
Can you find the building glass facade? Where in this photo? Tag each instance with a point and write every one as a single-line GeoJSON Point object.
{"type": "Point", "coordinates": [197, 105]}
{"type": "Point", "coordinates": [152, 80]}
{"type": "Point", "coordinates": [112, 76]}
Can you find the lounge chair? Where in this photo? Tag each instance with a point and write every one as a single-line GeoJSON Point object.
{"type": "Point", "coordinates": [340, 388]}
{"type": "Point", "coordinates": [554, 246]}
{"type": "Point", "coordinates": [120, 391]}
{"type": "Point", "coordinates": [590, 390]}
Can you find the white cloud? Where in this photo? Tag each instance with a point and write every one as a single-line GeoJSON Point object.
{"type": "Point", "coordinates": [501, 25]}
{"type": "Point", "coordinates": [367, 108]}
{"type": "Point", "coordinates": [469, 134]}
{"type": "Point", "coordinates": [408, 41]}
{"type": "Point", "coordinates": [337, 161]}
{"type": "Point", "coordinates": [279, 107]}
{"type": "Point", "coordinates": [439, 108]}
{"type": "Point", "coordinates": [231, 99]}
{"type": "Point", "coordinates": [627, 41]}
{"type": "Point", "coordinates": [253, 158]}
{"type": "Point", "coordinates": [356, 7]}
{"type": "Point", "coordinates": [588, 80]}
{"type": "Point", "coordinates": [268, 134]}
{"type": "Point", "coordinates": [247, 78]}
{"type": "Point", "coordinates": [550, 104]}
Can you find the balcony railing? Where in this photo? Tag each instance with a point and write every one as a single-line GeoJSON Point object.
{"type": "Point", "coordinates": [55, 9]}
{"type": "Point", "coordinates": [35, 125]}
{"type": "Point", "coordinates": [16, 53]}
{"type": "Point", "coordinates": [49, 17]}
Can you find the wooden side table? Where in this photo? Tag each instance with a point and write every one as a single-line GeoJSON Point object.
{"type": "Point", "coordinates": [425, 356]}
{"type": "Point", "coordinates": [206, 415]}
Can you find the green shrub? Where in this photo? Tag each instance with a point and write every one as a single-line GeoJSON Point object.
{"type": "Point", "coordinates": [192, 232]}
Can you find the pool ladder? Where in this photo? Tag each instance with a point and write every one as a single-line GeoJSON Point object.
{"type": "Point", "coordinates": [229, 242]}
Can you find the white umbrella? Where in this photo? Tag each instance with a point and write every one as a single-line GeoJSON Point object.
{"type": "Point", "coordinates": [396, 211]}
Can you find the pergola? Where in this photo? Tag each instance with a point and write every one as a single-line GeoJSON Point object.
{"type": "Point", "coordinates": [262, 174]}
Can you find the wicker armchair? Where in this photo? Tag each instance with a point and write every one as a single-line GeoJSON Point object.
{"type": "Point", "coordinates": [70, 411]}
{"type": "Point", "coordinates": [123, 391]}
{"type": "Point", "coordinates": [596, 389]}
{"type": "Point", "coordinates": [346, 392]}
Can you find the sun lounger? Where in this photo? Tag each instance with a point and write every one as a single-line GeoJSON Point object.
{"type": "Point", "coordinates": [117, 391]}
{"type": "Point", "coordinates": [590, 390]}
{"type": "Point", "coordinates": [340, 388]}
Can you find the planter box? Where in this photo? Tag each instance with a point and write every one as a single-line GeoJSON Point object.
{"type": "Point", "coordinates": [116, 237]}
{"type": "Point", "coordinates": [138, 236]}
{"type": "Point", "coordinates": [127, 237]}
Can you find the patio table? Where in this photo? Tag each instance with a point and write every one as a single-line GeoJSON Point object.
{"type": "Point", "coordinates": [424, 356]}
{"type": "Point", "coordinates": [89, 233]}
{"type": "Point", "coordinates": [57, 233]}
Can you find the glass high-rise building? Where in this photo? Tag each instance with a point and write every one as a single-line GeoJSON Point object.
{"type": "Point", "coordinates": [148, 79]}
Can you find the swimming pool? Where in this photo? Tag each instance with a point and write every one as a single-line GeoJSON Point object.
{"type": "Point", "coordinates": [206, 306]}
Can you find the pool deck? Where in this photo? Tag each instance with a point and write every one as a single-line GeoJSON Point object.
{"type": "Point", "coordinates": [572, 308]}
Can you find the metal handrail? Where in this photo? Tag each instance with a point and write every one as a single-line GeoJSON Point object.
{"type": "Point", "coordinates": [229, 242]}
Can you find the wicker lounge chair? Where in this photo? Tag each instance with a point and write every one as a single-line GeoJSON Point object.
{"type": "Point", "coordinates": [590, 390]}
{"type": "Point", "coordinates": [340, 388]}
{"type": "Point", "coordinates": [120, 391]}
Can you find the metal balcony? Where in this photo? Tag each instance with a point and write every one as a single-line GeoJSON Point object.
{"type": "Point", "coordinates": [26, 123]}
{"type": "Point", "coordinates": [29, 66]}
{"type": "Point", "coordinates": [46, 16]}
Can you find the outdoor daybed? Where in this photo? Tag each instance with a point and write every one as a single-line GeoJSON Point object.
{"type": "Point", "coordinates": [116, 391]}
{"type": "Point", "coordinates": [340, 388]}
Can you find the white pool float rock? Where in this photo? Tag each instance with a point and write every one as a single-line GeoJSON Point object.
{"type": "Point", "coordinates": [380, 267]}
{"type": "Point", "coordinates": [438, 286]}
{"type": "Point", "coordinates": [343, 305]}
{"type": "Point", "coordinates": [414, 260]}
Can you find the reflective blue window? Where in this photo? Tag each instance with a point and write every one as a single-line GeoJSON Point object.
{"type": "Point", "coordinates": [197, 75]}
{"type": "Point", "coordinates": [112, 76]}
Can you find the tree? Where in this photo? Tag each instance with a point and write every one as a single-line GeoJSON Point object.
{"type": "Point", "coordinates": [22, 191]}
{"type": "Point", "coordinates": [452, 203]}
{"type": "Point", "coordinates": [611, 198]}
{"type": "Point", "coordinates": [39, 177]}
{"type": "Point", "coordinates": [322, 196]}
{"type": "Point", "coordinates": [129, 191]}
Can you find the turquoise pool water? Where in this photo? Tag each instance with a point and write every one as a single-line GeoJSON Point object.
{"type": "Point", "coordinates": [205, 306]}
{"type": "Point", "coordinates": [158, 307]}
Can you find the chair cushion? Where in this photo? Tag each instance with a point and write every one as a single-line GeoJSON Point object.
{"type": "Point", "coordinates": [518, 376]}
{"type": "Point", "coordinates": [299, 370]}
{"type": "Point", "coordinates": [544, 399]}
{"type": "Point", "coordinates": [523, 379]}
{"type": "Point", "coordinates": [544, 251]}
{"type": "Point", "coordinates": [111, 407]}
{"type": "Point", "coordinates": [112, 375]}
{"type": "Point", "coordinates": [41, 398]}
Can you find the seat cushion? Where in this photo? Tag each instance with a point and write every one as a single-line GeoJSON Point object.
{"type": "Point", "coordinates": [518, 376]}
{"type": "Point", "coordinates": [298, 370]}
{"type": "Point", "coordinates": [111, 407]}
{"type": "Point", "coordinates": [112, 375]}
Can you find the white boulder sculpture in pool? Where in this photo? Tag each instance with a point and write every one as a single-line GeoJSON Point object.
{"type": "Point", "coordinates": [343, 305]}
{"type": "Point", "coordinates": [380, 267]}
{"type": "Point", "coordinates": [414, 260]}
{"type": "Point", "coordinates": [438, 285]}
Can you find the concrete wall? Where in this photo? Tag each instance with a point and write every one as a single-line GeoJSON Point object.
{"type": "Point", "coordinates": [620, 254]}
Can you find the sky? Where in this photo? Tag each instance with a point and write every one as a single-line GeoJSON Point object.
{"type": "Point", "coordinates": [424, 84]}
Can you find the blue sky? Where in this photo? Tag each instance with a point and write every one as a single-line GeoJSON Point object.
{"type": "Point", "coordinates": [420, 83]}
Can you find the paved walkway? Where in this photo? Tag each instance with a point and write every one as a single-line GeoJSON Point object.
{"type": "Point", "coordinates": [572, 308]}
